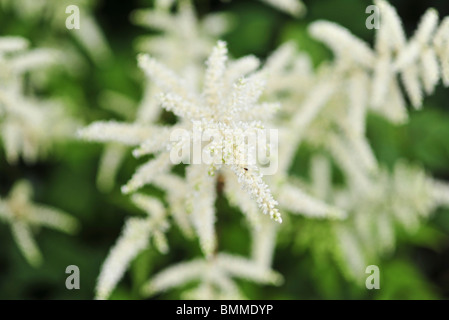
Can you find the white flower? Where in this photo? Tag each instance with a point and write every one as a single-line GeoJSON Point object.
{"type": "Point", "coordinates": [22, 215]}
{"type": "Point", "coordinates": [185, 40]}
{"type": "Point", "coordinates": [416, 61]}
{"type": "Point", "coordinates": [24, 119]}
{"type": "Point", "coordinates": [227, 106]}
{"type": "Point", "coordinates": [326, 108]}
{"type": "Point", "coordinates": [403, 198]}
{"type": "Point", "coordinates": [134, 238]}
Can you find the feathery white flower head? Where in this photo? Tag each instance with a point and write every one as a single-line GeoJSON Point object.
{"type": "Point", "coordinates": [22, 215]}
{"type": "Point", "coordinates": [416, 61]}
{"type": "Point", "coordinates": [135, 238]}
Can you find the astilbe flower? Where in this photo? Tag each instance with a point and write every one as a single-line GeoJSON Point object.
{"type": "Point", "coordinates": [420, 62]}
{"type": "Point", "coordinates": [217, 109]}
{"type": "Point", "coordinates": [23, 216]}
{"type": "Point", "coordinates": [24, 131]}
{"type": "Point", "coordinates": [333, 101]}
{"type": "Point", "coordinates": [135, 236]}
{"type": "Point", "coordinates": [24, 119]}
{"type": "Point", "coordinates": [172, 48]}
{"type": "Point", "coordinates": [196, 194]}
{"type": "Point", "coordinates": [400, 199]}
{"type": "Point", "coordinates": [228, 106]}
{"type": "Point", "coordinates": [327, 108]}
{"type": "Point", "coordinates": [224, 108]}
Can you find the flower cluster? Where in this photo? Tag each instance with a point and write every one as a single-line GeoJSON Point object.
{"type": "Point", "coordinates": [189, 76]}
{"type": "Point", "coordinates": [25, 119]}
{"type": "Point", "coordinates": [326, 107]}
{"type": "Point", "coordinates": [22, 215]}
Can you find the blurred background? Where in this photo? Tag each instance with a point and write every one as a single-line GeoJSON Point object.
{"type": "Point", "coordinates": [418, 269]}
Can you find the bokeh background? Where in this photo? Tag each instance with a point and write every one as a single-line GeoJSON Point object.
{"type": "Point", "coordinates": [418, 269]}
